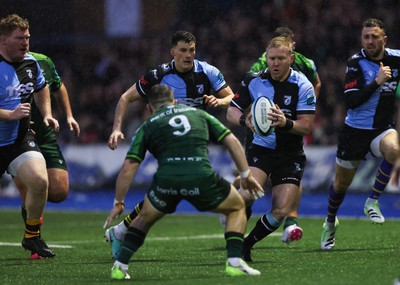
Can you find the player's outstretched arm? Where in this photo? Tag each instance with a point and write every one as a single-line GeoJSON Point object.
{"type": "Point", "coordinates": [128, 97]}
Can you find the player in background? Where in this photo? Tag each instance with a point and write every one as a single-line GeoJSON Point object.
{"type": "Point", "coordinates": [191, 81]}
{"type": "Point", "coordinates": [396, 168]}
{"type": "Point", "coordinates": [292, 230]}
{"type": "Point", "coordinates": [369, 93]}
{"type": "Point", "coordinates": [178, 138]}
{"type": "Point", "coordinates": [22, 82]}
{"type": "Point", "coordinates": [46, 137]}
{"type": "Point", "coordinates": [280, 156]}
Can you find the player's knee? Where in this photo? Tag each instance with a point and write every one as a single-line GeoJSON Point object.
{"type": "Point", "coordinates": [57, 194]}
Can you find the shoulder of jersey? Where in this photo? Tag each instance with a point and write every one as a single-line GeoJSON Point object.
{"type": "Point", "coordinates": [260, 109]}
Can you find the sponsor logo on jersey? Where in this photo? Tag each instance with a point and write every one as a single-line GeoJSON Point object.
{"type": "Point", "coordinates": [221, 77]}
{"type": "Point", "coordinates": [192, 102]}
{"type": "Point", "coordinates": [20, 90]}
{"type": "Point", "coordinates": [351, 84]}
{"type": "Point", "coordinates": [388, 87]}
{"type": "Point", "coordinates": [143, 81]}
{"type": "Point", "coordinates": [352, 69]}
{"type": "Point", "coordinates": [154, 72]}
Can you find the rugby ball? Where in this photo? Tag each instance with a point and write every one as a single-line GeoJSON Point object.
{"type": "Point", "coordinates": [259, 110]}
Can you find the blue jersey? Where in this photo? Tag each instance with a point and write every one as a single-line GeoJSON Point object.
{"type": "Point", "coordinates": [370, 106]}
{"type": "Point", "coordinates": [18, 82]}
{"type": "Point", "coordinates": [295, 96]}
{"type": "Point", "coordinates": [188, 87]}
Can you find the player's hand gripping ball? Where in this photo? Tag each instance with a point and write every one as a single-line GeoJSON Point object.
{"type": "Point", "coordinates": [259, 110]}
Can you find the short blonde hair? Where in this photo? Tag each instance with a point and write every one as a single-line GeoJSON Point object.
{"type": "Point", "coordinates": [279, 42]}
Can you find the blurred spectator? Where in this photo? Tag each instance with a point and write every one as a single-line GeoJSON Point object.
{"type": "Point", "coordinates": [229, 33]}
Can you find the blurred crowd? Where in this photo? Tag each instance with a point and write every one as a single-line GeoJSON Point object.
{"type": "Point", "coordinates": [230, 35]}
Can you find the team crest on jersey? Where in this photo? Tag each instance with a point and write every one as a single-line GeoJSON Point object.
{"type": "Point", "coordinates": [29, 73]}
{"type": "Point", "coordinates": [287, 100]}
{"type": "Point", "coordinates": [200, 89]}
{"type": "Point", "coordinates": [395, 72]}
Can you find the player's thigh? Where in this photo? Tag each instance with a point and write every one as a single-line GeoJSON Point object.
{"type": "Point", "coordinates": [284, 196]}
{"type": "Point", "coordinates": [148, 216]}
{"type": "Point", "coordinates": [389, 146]}
{"type": "Point", "coordinates": [232, 203]}
{"type": "Point", "coordinates": [32, 172]}
{"type": "Point", "coordinates": [58, 178]}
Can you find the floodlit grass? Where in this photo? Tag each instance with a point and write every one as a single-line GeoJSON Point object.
{"type": "Point", "coordinates": [190, 249]}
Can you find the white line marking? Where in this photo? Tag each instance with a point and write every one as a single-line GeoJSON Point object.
{"type": "Point", "coordinates": [50, 245]}
{"type": "Point", "coordinates": [214, 236]}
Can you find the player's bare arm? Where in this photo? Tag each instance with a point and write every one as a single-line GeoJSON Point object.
{"type": "Point", "coordinates": [127, 98]}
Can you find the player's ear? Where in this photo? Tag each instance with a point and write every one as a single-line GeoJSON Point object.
{"type": "Point", "coordinates": [172, 52]}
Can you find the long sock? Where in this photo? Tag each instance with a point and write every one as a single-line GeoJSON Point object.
{"type": "Point", "coordinates": [290, 221]}
{"type": "Point", "coordinates": [134, 239]}
{"type": "Point", "coordinates": [382, 179]}
{"type": "Point", "coordinates": [234, 244]}
{"type": "Point", "coordinates": [32, 228]}
{"type": "Point", "coordinates": [266, 225]}
{"type": "Point", "coordinates": [128, 219]}
{"type": "Point", "coordinates": [334, 202]}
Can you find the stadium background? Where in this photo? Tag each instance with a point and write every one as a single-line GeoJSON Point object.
{"type": "Point", "coordinates": [100, 47]}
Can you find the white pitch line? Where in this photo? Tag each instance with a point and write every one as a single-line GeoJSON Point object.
{"type": "Point", "coordinates": [214, 236]}
{"type": "Point", "coordinates": [19, 244]}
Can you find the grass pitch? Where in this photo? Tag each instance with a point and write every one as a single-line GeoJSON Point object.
{"type": "Point", "coordinates": [190, 249]}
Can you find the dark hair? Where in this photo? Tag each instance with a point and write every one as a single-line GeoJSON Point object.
{"type": "Point", "coordinates": [371, 23]}
{"type": "Point", "coordinates": [182, 36]}
{"type": "Point", "coordinates": [284, 32]}
{"type": "Point", "coordinates": [12, 22]}
{"type": "Point", "coordinates": [160, 94]}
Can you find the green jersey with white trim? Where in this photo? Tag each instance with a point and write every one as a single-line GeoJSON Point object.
{"type": "Point", "coordinates": [178, 138]}
{"type": "Point", "coordinates": [44, 133]}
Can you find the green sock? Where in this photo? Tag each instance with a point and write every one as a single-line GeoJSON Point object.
{"type": "Point", "coordinates": [290, 221]}
{"type": "Point", "coordinates": [134, 239]}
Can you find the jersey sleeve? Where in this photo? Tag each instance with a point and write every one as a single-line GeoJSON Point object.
{"type": "Point", "coordinates": [151, 78]}
{"type": "Point", "coordinates": [51, 74]}
{"type": "Point", "coordinates": [242, 99]}
{"type": "Point", "coordinates": [137, 149]}
{"type": "Point", "coordinates": [40, 80]}
{"type": "Point", "coordinates": [356, 90]}
{"type": "Point", "coordinates": [307, 99]}
{"type": "Point", "coordinates": [215, 76]}
{"type": "Point", "coordinates": [217, 130]}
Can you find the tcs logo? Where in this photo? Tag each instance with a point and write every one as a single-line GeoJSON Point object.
{"type": "Point", "coordinates": [22, 89]}
{"type": "Point", "coordinates": [389, 86]}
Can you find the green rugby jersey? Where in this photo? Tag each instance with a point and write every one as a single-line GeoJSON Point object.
{"type": "Point", "coordinates": [54, 81]}
{"type": "Point", "coordinates": [300, 63]}
{"type": "Point", "coordinates": [178, 138]}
